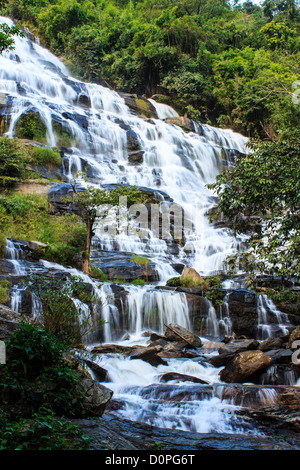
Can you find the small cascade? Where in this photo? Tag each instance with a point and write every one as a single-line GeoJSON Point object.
{"type": "Point", "coordinates": [13, 253]}
{"type": "Point", "coordinates": [109, 313]}
{"type": "Point", "coordinates": [16, 298]}
{"type": "Point", "coordinates": [271, 321]}
{"type": "Point", "coordinates": [218, 321]}
{"type": "Point", "coordinates": [153, 309]}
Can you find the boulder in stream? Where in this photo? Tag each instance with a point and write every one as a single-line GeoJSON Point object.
{"type": "Point", "coordinates": [244, 365]}
{"type": "Point", "coordinates": [176, 332]}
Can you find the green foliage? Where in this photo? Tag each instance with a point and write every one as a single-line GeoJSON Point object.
{"type": "Point", "coordinates": [138, 282]}
{"type": "Point", "coordinates": [141, 261]}
{"type": "Point", "coordinates": [98, 274]}
{"type": "Point", "coordinates": [27, 217]}
{"type": "Point", "coordinates": [31, 126]}
{"type": "Point", "coordinates": [42, 431]}
{"type": "Point", "coordinates": [12, 162]}
{"type": "Point", "coordinates": [4, 290]}
{"type": "Point", "coordinates": [37, 376]}
{"type": "Point", "coordinates": [283, 296]}
{"type": "Point", "coordinates": [222, 63]}
{"type": "Point", "coordinates": [60, 315]}
{"type": "Point", "coordinates": [173, 282]}
{"type": "Point", "coordinates": [44, 155]}
{"type": "Point", "coordinates": [6, 36]}
{"type": "Point", "coordinates": [260, 196]}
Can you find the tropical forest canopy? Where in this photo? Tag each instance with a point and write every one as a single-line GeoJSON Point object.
{"type": "Point", "coordinates": [223, 63]}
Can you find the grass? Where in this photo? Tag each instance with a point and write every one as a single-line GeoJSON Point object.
{"type": "Point", "coordinates": [27, 217]}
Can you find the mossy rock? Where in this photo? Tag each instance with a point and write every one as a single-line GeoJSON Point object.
{"type": "Point", "coordinates": [140, 106]}
{"type": "Point", "coordinates": [31, 126]}
{"type": "Point", "coordinates": [63, 135]}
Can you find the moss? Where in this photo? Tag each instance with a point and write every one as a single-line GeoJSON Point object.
{"type": "Point", "coordinates": [64, 136]}
{"type": "Point", "coordinates": [31, 126]}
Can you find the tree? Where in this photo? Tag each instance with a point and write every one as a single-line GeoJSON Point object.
{"type": "Point", "coordinates": [261, 197]}
{"type": "Point", "coordinates": [87, 203]}
{"type": "Point", "coordinates": [6, 33]}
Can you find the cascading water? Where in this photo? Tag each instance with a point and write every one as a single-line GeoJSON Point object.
{"type": "Point", "coordinates": [178, 165]}
{"type": "Point", "coordinates": [271, 321]}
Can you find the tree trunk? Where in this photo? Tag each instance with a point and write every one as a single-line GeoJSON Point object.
{"type": "Point", "coordinates": [87, 247]}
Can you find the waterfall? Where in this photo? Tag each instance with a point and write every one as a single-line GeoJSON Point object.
{"type": "Point", "coordinates": [153, 309]}
{"type": "Point", "coordinates": [271, 321]}
{"type": "Point", "coordinates": [218, 321]}
{"type": "Point", "coordinates": [99, 126]}
{"type": "Point", "coordinates": [14, 254]}
{"type": "Point", "coordinates": [99, 134]}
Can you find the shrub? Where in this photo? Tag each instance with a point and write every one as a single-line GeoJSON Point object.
{"type": "Point", "coordinates": [4, 289]}
{"type": "Point", "coordinates": [45, 155]}
{"type": "Point", "coordinates": [138, 282]}
{"type": "Point", "coordinates": [43, 431]}
{"type": "Point", "coordinates": [38, 375]}
{"type": "Point", "coordinates": [12, 163]}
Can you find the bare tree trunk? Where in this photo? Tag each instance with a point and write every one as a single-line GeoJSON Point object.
{"type": "Point", "coordinates": [87, 247]}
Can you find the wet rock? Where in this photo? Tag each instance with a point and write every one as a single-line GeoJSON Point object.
{"type": "Point", "coordinates": [181, 378]}
{"type": "Point", "coordinates": [140, 105]}
{"type": "Point", "coordinates": [280, 356]}
{"type": "Point", "coordinates": [111, 348]}
{"type": "Point", "coordinates": [185, 123]}
{"type": "Point", "coordinates": [270, 343]}
{"type": "Point", "coordinates": [244, 365]}
{"type": "Point", "coordinates": [100, 372]}
{"type": "Point", "coordinates": [116, 433]}
{"type": "Point", "coordinates": [149, 354]}
{"type": "Point", "coordinates": [176, 332]}
{"type": "Point", "coordinates": [9, 322]}
{"type": "Point", "coordinates": [221, 360]}
{"type": "Point", "coordinates": [243, 312]}
{"type": "Point", "coordinates": [210, 346]}
{"type": "Point", "coordinates": [239, 345]}
{"type": "Point", "coordinates": [173, 349]}
{"type": "Point", "coordinates": [136, 158]}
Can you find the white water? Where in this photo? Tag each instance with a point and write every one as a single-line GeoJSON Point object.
{"type": "Point", "coordinates": [267, 310]}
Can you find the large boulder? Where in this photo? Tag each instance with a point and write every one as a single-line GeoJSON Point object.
{"type": "Point", "coordinates": [190, 274]}
{"type": "Point", "coordinates": [177, 333]}
{"type": "Point", "coordinates": [97, 396]}
{"type": "Point", "coordinates": [149, 355]}
{"type": "Point", "coordinates": [244, 365]}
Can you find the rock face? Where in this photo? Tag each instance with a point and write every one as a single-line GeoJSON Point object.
{"type": "Point", "coordinates": [97, 396]}
{"type": "Point", "coordinates": [9, 322]}
{"type": "Point", "coordinates": [185, 123]}
{"type": "Point", "coordinates": [244, 365]}
{"type": "Point", "coordinates": [243, 312]}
